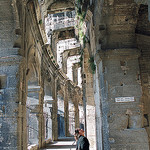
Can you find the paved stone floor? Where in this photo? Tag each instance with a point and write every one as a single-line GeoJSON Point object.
{"type": "Point", "coordinates": [62, 144]}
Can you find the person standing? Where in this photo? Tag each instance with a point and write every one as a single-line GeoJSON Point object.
{"type": "Point", "coordinates": [82, 141]}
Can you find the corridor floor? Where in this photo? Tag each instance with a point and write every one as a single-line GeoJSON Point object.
{"type": "Point", "coordinates": [62, 144]}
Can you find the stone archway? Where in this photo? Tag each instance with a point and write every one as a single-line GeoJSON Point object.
{"type": "Point", "coordinates": [33, 99]}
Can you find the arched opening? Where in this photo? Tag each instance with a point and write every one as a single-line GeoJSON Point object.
{"type": "Point", "coordinates": [47, 108]}
{"type": "Point", "coordinates": [33, 100]}
{"type": "Point", "coordinates": [32, 107]}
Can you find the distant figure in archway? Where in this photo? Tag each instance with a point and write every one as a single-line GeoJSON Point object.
{"type": "Point", "coordinates": [82, 141]}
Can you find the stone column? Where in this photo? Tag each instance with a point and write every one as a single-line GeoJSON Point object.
{"type": "Point", "coordinates": [54, 38]}
{"type": "Point", "coordinates": [76, 116]}
{"type": "Point", "coordinates": [9, 79]}
{"type": "Point", "coordinates": [89, 101]}
{"type": "Point", "coordinates": [66, 111]}
{"type": "Point", "coordinates": [9, 101]}
{"type": "Point", "coordinates": [98, 111]}
{"type": "Point", "coordinates": [41, 114]}
{"type": "Point", "coordinates": [64, 61]}
{"type": "Point", "coordinates": [76, 105]}
{"type": "Point", "coordinates": [75, 73]}
{"type": "Point", "coordinates": [54, 110]}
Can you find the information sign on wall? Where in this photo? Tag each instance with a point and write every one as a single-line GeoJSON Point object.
{"type": "Point", "coordinates": [124, 99]}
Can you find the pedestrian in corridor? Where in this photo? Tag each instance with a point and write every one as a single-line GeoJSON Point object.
{"type": "Point", "coordinates": [82, 141]}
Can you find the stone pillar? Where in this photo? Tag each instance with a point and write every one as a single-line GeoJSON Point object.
{"type": "Point", "coordinates": [98, 111]}
{"type": "Point", "coordinates": [22, 117]}
{"type": "Point", "coordinates": [89, 101]}
{"type": "Point", "coordinates": [54, 110]}
{"type": "Point", "coordinates": [75, 73]}
{"type": "Point", "coordinates": [64, 61]}
{"type": "Point", "coordinates": [41, 115]}
{"type": "Point", "coordinates": [66, 111]}
{"type": "Point", "coordinates": [76, 106]}
{"type": "Point", "coordinates": [121, 99]}
{"type": "Point", "coordinates": [102, 131]}
{"type": "Point", "coordinates": [71, 116]}
{"type": "Point", "coordinates": [54, 38]}
{"type": "Point", "coordinates": [9, 78]}
{"type": "Point", "coordinates": [76, 116]}
{"type": "Point", "coordinates": [9, 102]}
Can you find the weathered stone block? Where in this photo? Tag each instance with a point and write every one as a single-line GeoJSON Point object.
{"type": "Point", "coordinates": [9, 69]}
{"type": "Point", "coordinates": [121, 108]}
{"type": "Point", "coordinates": [126, 139]}
{"type": "Point", "coordinates": [11, 108]}
{"type": "Point", "coordinates": [118, 122]}
{"type": "Point", "coordinates": [135, 121]}
{"type": "Point", "coordinates": [9, 139]}
{"type": "Point", "coordinates": [125, 91]}
{"type": "Point", "coordinates": [10, 93]}
{"type": "Point", "coordinates": [134, 146]}
{"type": "Point", "coordinates": [9, 124]}
{"type": "Point", "coordinates": [12, 82]}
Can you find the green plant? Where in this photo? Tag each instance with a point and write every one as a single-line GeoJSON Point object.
{"type": "Point", "coordinates": [84, 41]}
{"type": "Point", "coordinates": [83, 14]}
{"type": "Point", "coordinates": [81, 58]}
{"type": "Point", "coordinates": [79, 11]}
{"type": "Point", "coordinates": [40, 21]}
{"type": "Point", "coordinates": [92, 65]}
{"type": "Point", "coordinates": [81, 34]}
{"type": "Point", "coordinates": [80, 64]}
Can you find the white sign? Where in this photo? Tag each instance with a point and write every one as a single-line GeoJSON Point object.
{"type": "Point", "coordinates": [124, 99]}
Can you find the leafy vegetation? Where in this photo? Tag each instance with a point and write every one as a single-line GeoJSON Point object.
{"type": "Point", "coordinates": [40, 21]}
{"type": "Point", "coordinates": [92, 65]}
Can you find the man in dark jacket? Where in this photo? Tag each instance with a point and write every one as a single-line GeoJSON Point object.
{"type": "Point", "coordinates": [82, 141]}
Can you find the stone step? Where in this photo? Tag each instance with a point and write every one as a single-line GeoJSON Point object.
{"type": "Point", "coordinates": [61, 145]}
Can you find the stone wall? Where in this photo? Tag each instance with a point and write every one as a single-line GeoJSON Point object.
{"type": "Point", "coordinates": [123, 94]}
{"type": "Point", "coordinates": [9, 68]}
{"type": "Point", "coordinates": [143, 32]}
{"type": "Point", "coordinates": [118, 64]}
